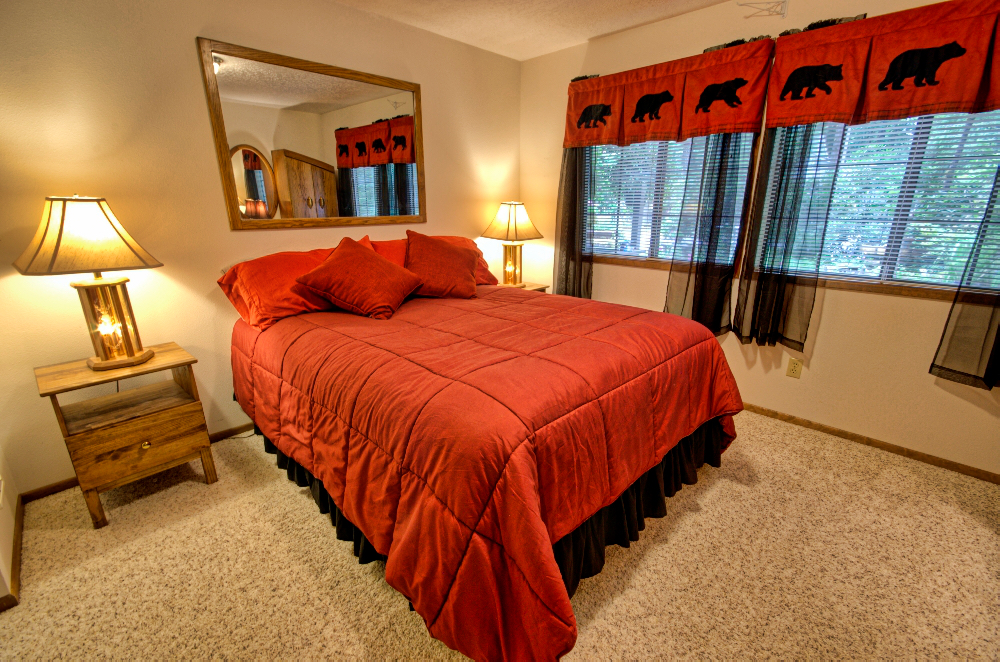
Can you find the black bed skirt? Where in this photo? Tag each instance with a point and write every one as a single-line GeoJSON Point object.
{"type": "Point", "coordinates": [579, 554]}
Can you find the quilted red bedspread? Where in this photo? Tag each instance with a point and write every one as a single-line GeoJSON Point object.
{"type": "Point", "coordinates": [465, 437]}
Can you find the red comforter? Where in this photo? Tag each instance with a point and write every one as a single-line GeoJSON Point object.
{"type": "Point", "coordinates": [465, 437]}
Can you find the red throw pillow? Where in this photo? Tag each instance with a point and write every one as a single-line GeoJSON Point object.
{"type": "Point", "coordinates": [264, 290]}
{"type": "Point", "coordinates": [483, 274]}
{"type": "Point", "coordinates": [357, 279]}
{"type": "Point", "coordinates": [367, 243]}
{"type": "Point", "coordinates": [393, 250]}
{"type": "Point", "coordinates": [445, 269]}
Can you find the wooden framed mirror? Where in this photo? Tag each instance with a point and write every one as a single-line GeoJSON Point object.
{"type": "Point", "coordinates": [302, 144]}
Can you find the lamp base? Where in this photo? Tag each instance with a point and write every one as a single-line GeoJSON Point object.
{"type": "Point", "coordinates": [95, 363]}
{"type": "Point", "coordinates": [512, 263]}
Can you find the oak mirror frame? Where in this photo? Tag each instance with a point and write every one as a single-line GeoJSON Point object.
{"type": "Point", "coordinates": [209, 50]}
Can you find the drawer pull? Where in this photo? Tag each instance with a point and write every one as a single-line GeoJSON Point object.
{"type": "Point", "coordinates": [146, 445]}
{"type": "Point", "coordinates": [321, 202]}
{"type": "Point", "coordinates": [309, 202]}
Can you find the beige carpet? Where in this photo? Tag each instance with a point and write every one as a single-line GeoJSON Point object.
{"type": "Point", "coordinates": [801, 545]}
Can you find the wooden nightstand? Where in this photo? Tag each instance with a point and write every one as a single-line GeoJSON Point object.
{"type": "Point", "coordinates": [535, 287]}
{"type": "Point", "coordinates": [119, 438]}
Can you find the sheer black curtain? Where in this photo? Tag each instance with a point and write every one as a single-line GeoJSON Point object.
{"type": "Point", "coordinates": [383, 194]}
{"type": "Point", "coordinates": [701, 274]}
{"type": "Point", "coordinates": [574, 264]}
{"type": "Point", "coordinates": [791, 203]}
{"type": "Point", "coordinates": [404, 197]}
{"type": "Point", "coordinates": [969, 351]}
{"type": "Point", "coordinates": [345, 192]}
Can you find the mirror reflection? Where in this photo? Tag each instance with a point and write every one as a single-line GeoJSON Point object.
{"type": "Point", "coordinates": [254, 183]}
{"type": "Point", "coordinates": [306, 145]}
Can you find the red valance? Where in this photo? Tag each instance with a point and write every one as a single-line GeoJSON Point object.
{"type": "Point", "coordinates": [932, 59]}
{"type": "Point", "coordinates": [718, 92]}
{"type": "Point", "coordinates": [401, 137]}
{"type": "Point", "coordinates": [935, 59]}
{"type": "Point", "coordinates": [388, 141]}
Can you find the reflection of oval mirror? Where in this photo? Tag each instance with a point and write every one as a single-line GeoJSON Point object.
{"type": "Point", "coordinates": [255, 192]}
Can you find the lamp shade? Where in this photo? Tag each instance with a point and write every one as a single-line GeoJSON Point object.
{"type": "Point", "coordinates": [77, 235]}
{"type": "Point", "coordinates": [512, 224]}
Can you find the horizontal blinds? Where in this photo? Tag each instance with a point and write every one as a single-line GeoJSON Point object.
{"type": "Point", "coordinates": [903, 199]}
{"type": "Point", "coordinates": [636, 198]}
{"type": "Point", "coordinates": [377, 190]}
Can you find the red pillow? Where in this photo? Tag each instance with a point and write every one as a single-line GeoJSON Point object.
{"type": "Point", "coordinates": [483, 274]}
{"type": "Point", "coordinates": [357, 279]}
{"type": "Point", "coordinates": [367, 243]}
{"type": "Point", "coordinates": [445, 269]}
{"type": "Point", "coordinates": [393, 250]}
{"type": "Point", "coordinates": [264, 290]}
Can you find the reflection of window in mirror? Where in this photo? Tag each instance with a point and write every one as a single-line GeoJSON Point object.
{"type": "Point", "coordinates": [338, 147]}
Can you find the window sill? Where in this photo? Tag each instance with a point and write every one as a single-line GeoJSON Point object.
{"type": "Point", "coordinates": [914, 290]}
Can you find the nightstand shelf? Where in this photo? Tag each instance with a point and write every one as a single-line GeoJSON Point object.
{"type": "Point", "coordinates": [119, 438]}
{"type": "Point", "coordinates": [117, 407]}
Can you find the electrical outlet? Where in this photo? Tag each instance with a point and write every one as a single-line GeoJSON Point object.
{"type": "Point", "coordinates": [794, 368]}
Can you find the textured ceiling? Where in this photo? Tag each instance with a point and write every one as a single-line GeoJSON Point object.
{"type": "Point", "coordinates": [524, 29]}
{"type": "Point", "coordinates": [248, 81]}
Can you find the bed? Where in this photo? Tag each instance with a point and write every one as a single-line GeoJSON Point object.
{"type": "Point", "coordinates": [479, 444]}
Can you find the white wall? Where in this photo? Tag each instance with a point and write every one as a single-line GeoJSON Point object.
{"type": "Point", "coordinates": [368, 112]}
{"type": "Point", "coordinates": [106, 98]}
{"type": "Point", "coordinates": [867, 356]}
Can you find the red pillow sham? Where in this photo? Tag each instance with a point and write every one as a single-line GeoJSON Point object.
{"type": "Point", "coordinates": [395, 251]}
{"type": "Point", "coordinates": [483, 274]}
{"type": "Point", "coordinates": [264, 290]}
{"type": "Point", "coordinates": [359, 280]}
{"type": "Point", "coordinates": [446, 270]}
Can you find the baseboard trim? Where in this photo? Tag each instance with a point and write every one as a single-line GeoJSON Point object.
{"type": "Point", "coordinates": [47, 490]}
{"type": "Point", "coordinates": [926, 458]}
{"type": "Point", "coordinates": [231, 432]}
{"type": "Point", "coordinates": [12, 600]}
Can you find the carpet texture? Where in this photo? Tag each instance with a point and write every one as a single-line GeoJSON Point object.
{"type": "Point", "coordinates": [801, 545]}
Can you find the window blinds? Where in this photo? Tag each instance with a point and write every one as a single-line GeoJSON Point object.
{"type": "Point", "coordinates": [386, 190]}
{"type": "Point", "coordinates": [635, 198]}
{"type": "Point", "coordinates": [903, 199]}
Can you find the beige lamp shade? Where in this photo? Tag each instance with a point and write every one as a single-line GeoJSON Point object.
{"type": "Point", "coordinates": [77, 235]}
{"type": "Point", "coordinates": [512, 224]}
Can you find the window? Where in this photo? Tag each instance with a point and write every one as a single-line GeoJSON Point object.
{"type": "Point", "coordinates": [386, 190]}
{"type": "Point", "coordinates": [643, 200]}
{"type": "Point", "coordinates": [902, 200]}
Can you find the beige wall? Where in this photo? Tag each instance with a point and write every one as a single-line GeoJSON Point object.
{"type": "Point", "coordinates": [268, 129]}
{"type": "Point", "coordinates": [867, 355]}
{"type": "Point", "coordinates": [106, 98]}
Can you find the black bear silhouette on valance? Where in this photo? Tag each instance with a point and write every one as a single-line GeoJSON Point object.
{"type": "Point", "coordinates": [720, 92]}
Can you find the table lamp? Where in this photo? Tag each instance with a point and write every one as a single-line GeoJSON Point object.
{"type": "Point", "coordinates": [80, 234]}
{"type": "Point", "coordinates": [512, 226]}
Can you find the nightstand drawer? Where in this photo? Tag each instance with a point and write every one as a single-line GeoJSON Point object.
{"type": "Point", "coordinates": [108, 455]}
